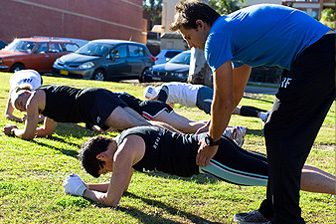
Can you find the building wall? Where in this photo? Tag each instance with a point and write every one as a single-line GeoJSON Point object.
{"type": "Point", "coordinates": [82, 19]}
{"type": "Point", "coordinates": [254, 2]}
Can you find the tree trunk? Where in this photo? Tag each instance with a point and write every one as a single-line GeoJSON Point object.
{"type": "Point", "coordinates": [199, 71]}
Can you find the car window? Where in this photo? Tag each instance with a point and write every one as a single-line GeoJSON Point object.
{"type": "Point", "coordinates": [120, 51]}
{"type": "Point", "coordinates": [171, 54]}
{"type": "Point", "coordinates": [136, 51]}
{"type": "Point", "coordinates": [67, 47]}
{"type": "Point", "coordinates": [94, 49]}
{"type": "Point", "coordinates": [55, 48]}
{"type": "Point", "coordinates": [183, 58]}
{"type": "Point", "coordinates": [21, 46]}
{"type": "Point", "coordinates": [42, 48]}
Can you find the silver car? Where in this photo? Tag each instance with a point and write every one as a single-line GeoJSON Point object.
{"type": "Point", "coordinates": [105, 60]}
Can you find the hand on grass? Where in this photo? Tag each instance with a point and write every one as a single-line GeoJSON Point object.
{"type": "Point", "coordinates": [74, 185]}
{"type": "Point", "coordinates": [8, 128]}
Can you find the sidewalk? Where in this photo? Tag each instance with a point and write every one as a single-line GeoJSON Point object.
{"type": "Point", "coordinates": [262, 88]}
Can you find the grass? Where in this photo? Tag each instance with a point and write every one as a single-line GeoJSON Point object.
{"type": "Point", "coordinates": [32, 173]}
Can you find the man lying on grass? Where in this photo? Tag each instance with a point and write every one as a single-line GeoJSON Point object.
{"type": "Point", "coordinates": [153, 148]}
{"type": "Point", "coordinates": [66, 104]}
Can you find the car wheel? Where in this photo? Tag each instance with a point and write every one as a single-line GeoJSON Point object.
{"type": "Point", "coordinates": [17, 67]}
{"type": "Point", "coordinates": [99, 75]}
{"type": "Point", "coordinates": [142, 76]}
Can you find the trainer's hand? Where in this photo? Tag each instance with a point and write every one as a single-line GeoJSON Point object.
{"type": "Point", "coordinates": [74, 185]}
{"type": "Point", "coordinates": [205, 153]}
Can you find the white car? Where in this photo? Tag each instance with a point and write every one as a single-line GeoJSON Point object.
{"type": "Point", "coordinates": [165, 55]}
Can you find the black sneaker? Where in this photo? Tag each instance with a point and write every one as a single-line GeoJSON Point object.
{"type": "Point", "coordinates": [254, 217]}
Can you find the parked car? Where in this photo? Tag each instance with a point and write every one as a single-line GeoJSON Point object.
{"type": "Point", "coordinates": [105, 60]}
{"type": "Point", "coordinates": [2, 44]}
{"type": "Point", "coordinates": [176, 69]}
{"type": "Point", "coordinates": [34, 53]}
{"type": "Point", "coordinates": [165, 55]}
{"type": "Point", "coordinates": [79, 42]}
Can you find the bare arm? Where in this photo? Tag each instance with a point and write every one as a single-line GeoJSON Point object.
{"type": "Point", "coordinates": [47, 129]}
{"type": "Point", "coordinates": [29, 130]}
{"type": "Point", "coordinates": [229, 87]}
{"type": "Point", "coordinates": [9, 112]}
{"type": "Point", "coordinates": [103, 187]}
{"type": "Point", "coordinates": [129, 152]}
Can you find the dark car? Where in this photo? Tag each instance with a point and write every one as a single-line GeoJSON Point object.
{"type": "Point", "coordinates": [176, 69]}
{"type": "Point", "coordinates": [2, 44]}
{"type": "Point", "coordinates": [34, 53]}
{"type": "Point", "coordinates": [105, 60]}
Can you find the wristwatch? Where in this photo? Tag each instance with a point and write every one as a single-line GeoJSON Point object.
{"type": "Point", "coordinates": [210, 142]}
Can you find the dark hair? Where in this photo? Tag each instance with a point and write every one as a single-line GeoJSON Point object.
{"type": "Point", "coordinates": [88, 152]}
{"type": "Point", "coordinates": [187, 12]}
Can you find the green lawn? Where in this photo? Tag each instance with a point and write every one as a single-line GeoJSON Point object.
{"type": "Point", "coordinates": [32, 173]}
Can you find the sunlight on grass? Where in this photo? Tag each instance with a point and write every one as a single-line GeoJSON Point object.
{"type": "Point", "coordinates": [32, 174]}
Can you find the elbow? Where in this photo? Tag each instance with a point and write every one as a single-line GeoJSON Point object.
{"type": "Point", "coordinates": [28, 138]}
{"type": "Point", "coordinates": [109, 203]}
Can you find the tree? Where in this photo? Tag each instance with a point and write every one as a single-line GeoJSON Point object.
{"type": "Point", "coordinates": [328, 18]}
{"type": "Point", "coordinates": [225, 6]}
{"type": "Point", "coordinates": [154, 8]}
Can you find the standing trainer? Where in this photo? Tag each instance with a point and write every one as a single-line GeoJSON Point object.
{"type": "Point", "coordinates": [271, 35]}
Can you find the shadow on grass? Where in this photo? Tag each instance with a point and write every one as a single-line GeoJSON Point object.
{"type": "Point", "coordinates": [149, 218]}
{"type": "Point", "coordinates": [74, 130]}
{"type": "Point", "coordinates": [201, 178]}
{"type": "Point", "coordinates": [72, 153]}
{"type": "Point", "coordinates": [256, 132]}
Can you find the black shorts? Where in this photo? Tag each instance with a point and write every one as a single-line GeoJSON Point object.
{"type": "Point", "coordinates": [103, 103]}
{"type": "Point", "coordinates": [152, 108]}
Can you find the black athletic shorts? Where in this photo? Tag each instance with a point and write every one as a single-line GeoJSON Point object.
{"type": "Point", "coordinates": [152, 108]}
{"type": "Point", "coordinates": [103, 105]}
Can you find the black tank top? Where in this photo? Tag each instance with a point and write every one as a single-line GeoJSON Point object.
{"type": "Point", "coordinates": [67, 104]}
{"type": "Point", "coordinates": [165, 151]}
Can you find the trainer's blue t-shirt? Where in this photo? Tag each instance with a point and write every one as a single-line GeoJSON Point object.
{"type": "Point", "coordinates": [265, 34]}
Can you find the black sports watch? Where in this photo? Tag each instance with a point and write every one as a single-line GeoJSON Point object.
{"type": "Point", "coordinates": [209, 141]}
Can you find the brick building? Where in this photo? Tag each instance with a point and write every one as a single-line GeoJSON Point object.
{"type": "Point", "coordinates": [81, 19]}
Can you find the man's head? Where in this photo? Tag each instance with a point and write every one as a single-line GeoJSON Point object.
{"type": "Point", "coordinates": [96, 155]}
{"type": "Point", "coordinates": [150, 93]}
{"type": "Point", "coordinates": [193, 19]}
{"type": "Point", "coordinates": [20, 96]}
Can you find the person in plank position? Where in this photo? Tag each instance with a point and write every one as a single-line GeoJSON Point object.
{"type": "Point", "coordinates": [67, 104]}
{"type": "Point", "coordinates": [153, 148]}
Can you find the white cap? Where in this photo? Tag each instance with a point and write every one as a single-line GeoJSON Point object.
{"type": "Point", "coordinates": [150, 92]}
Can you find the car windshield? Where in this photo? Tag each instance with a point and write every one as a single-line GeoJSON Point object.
{"type": "Point", "coordinates": [21, 46]}
{"type": "Point", "coordinates": [94, 49]}
{"type": "Point", "coordinates": [182, 58]}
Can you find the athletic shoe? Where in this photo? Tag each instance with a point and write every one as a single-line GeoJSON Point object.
{"type": "Point", "coordinates": [237, 134]}
{"type": "Point", "coordinates": [254, 217]}
{"type": "Point", "coordinates": [265, 118]}
{"type": "Point", "coordinates": [240, 133]}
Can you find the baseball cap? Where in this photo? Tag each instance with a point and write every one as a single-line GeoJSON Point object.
{"type": "Point", "coordinates": [150, 92]}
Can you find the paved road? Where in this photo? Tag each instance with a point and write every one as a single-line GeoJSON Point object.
{"type": "Point", "coordinates": [259, 89]}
